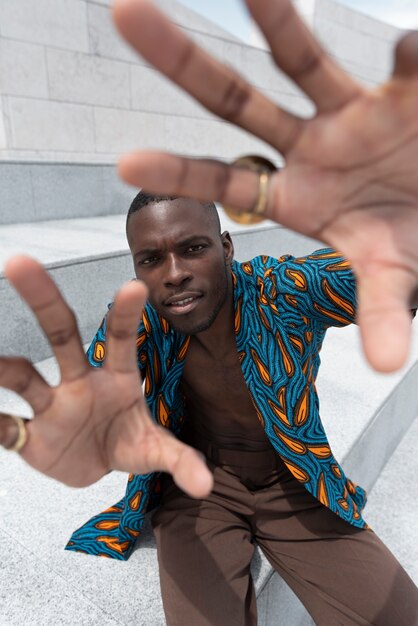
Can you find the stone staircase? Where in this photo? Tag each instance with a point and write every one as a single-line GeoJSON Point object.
{"type": "Point", "coordinates": [72, 218]}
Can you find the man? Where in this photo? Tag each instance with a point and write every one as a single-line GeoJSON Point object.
{"type": "Point", "coordinates": [349, 180]}
{"type": "Point", "coordinates": [229, 356]}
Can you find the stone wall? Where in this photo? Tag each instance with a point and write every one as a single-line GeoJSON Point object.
{"type": "Point", "coordinates": [364, 46]}
{"type": "Point", "coordinates": [71, 90]}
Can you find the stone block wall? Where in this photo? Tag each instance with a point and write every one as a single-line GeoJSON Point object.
{"type": "Point", "coordinates": [72, 90]}
{"type": "Point", "coordinates": [362, 44]}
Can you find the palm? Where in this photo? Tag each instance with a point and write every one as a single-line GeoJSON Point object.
{"type": "Point", "coordinates": [79, 429]}
{"type": "Point", "coordinates": [349, 178]}
{"type": "Point", "coordinates": [95, 420]}
{"type": "Point", "coordinates": [354, 188]}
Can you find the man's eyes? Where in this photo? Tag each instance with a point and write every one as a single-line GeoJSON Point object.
{"type": "Point", "coordinates": [196, 247]}
{"type": "Point", "coordinates": [148, 261]}
{"type": "Point", "coordinates": [151, 260]}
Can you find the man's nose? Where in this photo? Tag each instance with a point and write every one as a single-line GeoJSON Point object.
{"type": "Point", "coordinates": [176, 271]}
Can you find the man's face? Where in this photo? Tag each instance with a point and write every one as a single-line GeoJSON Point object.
{"type": "Point", "coordinates": [180, 255]}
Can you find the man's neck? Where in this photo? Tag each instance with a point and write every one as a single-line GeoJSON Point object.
{"type": "Point", "coordinates": [220, 335]}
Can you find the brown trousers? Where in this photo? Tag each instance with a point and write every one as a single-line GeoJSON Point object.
{"type": "Point", "coordinates": [343, 575]}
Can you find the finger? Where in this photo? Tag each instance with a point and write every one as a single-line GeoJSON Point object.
{"type": "Point", "coordinates": [219, 88]}
{"type": "Point", "coordinates": [122, 326]}
{"type": "Point", "coordinates": [299, 55]}
{"type": "Point", "coordinates": [20, 376]}
{"type": "Point", "coordinates": [384, 317]}
{"type": "Point", "coordinates": [9, 432]}
{"type": "Point", "coordinates": [406, 55]}
{"type": "Point", "coordinates": [55, 317]}
{"type": "Point", "coordinates": [203, 179]}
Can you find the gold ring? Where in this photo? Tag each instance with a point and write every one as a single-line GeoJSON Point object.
{"type": "Point", "coordinates": [264, 168]}
{"type": "Point", "coordinates": [22, 433]}
{"type": "Point", "coordinates": [263, 185]}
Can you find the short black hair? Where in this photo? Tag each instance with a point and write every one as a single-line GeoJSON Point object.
{"type": "Point", "coordinates": [143, 198]}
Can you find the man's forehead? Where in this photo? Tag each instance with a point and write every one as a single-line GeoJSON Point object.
{"type": "Point", "coordinates": [175, 213]}
{"type": "Point", "coordinates": [180, 218]}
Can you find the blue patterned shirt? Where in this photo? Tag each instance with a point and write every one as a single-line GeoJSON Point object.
{"type": "Point", "coordinates": [283, 308]}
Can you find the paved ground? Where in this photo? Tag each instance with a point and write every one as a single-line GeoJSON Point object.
{"type": "Point", "coordinates": [392, 508]}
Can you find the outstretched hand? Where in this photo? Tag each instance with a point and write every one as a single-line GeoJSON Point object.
{"type": "Point", "coordinates": [95, 420]}
{"type": "Point", "coordinates": [350, 176]}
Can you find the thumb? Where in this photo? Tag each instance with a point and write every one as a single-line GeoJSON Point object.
{"type": "Point", "coordinates": [187, 466]}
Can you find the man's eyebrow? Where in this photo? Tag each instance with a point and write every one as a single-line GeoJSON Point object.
{"type": "Point", "coordinates": [188, 240]}
{"type": "Point", "coordinates": [143, 251]}
{"type": "Point", "coordinates": [179, 244]}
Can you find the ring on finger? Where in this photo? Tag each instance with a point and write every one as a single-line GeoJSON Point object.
{"type": "Point", "coordinates": [264, 168]}
{"type": "Point", "coordinates": [22, 433]}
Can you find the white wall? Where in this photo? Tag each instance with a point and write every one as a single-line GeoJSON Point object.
{"type": "Point", "coordinates": [363, 45]}
{"type": "Point", "coordinates": [71, 90]}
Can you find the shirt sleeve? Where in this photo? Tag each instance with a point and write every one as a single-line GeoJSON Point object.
{"type": "Point", "coordinates": [321, 285]}
{"type": "Point", "coordinates": [96, 352]}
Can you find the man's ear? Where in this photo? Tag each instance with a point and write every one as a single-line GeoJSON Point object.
{"type": "Point", "coordinates": [228, 247]}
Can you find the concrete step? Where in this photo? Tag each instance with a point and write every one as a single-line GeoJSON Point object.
{"type": "Point", "coordinates": [33, 192]}
{"type": "Point", "coordinates": [64, 241]}
{"type": "Point", "coordinates": [37, 515]}
{"type": "Point", "coordinates": [392, 508]}
{"type": "Point", "coordinates": [89, 260]}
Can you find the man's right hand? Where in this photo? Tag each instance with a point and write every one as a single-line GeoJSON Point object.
{"type": "Point", "coordinates": [350, 171]}
{"type": "Point", "coordinates": [95, 420]}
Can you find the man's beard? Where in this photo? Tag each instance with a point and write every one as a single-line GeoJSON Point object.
{"type": "Point", "coordinates": [222, 290]}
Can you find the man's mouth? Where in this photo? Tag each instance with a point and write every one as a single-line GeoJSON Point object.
{"type": "Point", "coordinates": [180, 305]}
